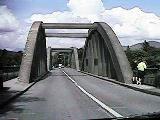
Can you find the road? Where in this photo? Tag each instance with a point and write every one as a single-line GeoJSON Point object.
{"type": "Point", "coordinates": [58, 97]}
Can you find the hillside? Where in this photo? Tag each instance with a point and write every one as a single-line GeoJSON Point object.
{"type": "Point", "coordinates": [139, 45]}
{"type": "Point", "coordinates": [10, 58]}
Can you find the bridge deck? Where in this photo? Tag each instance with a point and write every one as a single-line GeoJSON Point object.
{"type": "Point", "coordinates": [57, 97]}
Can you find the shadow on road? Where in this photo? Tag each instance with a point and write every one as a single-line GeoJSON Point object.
{"type": "Point", "coordinates": [18, 105]}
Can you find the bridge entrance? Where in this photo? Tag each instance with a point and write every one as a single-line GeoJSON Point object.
{"type": "Point", "coordinates": [68, 57]}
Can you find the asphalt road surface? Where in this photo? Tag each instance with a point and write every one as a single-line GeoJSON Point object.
{"type": "Point", "coordinates": [78, 96]}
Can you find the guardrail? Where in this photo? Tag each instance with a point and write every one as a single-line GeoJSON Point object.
{"type": "Point", "coordinates": [9, 72]}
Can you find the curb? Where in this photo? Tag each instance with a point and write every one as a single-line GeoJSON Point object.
{"type": "Point", "coordinates": [10, 99]}
{"type": "Point", "coordinates": [123, 84]}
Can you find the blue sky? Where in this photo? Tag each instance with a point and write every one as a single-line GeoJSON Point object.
{"type": "Point", "coordinates": [133, 21]}
{"type": "Point", "coordinates": [25, 8]}
{"type": "Point", "coordinates": [146, 5]}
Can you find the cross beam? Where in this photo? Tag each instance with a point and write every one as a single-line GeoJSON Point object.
{"type": "Point", "coordinates": [62, 49]}
{"type": "Point", "coordinates": [67, 35]}
{"type": "Point", "coordinates": [68, 26]}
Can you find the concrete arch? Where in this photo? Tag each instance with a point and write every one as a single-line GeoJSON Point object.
{"type": "Point", "coordinates": [74, 59]}
{"type": "Point", "coordinates": [104, 55]}
{"type": "Point", "coordinates": [73, 56]}
{"type": "Point", "coordinates": [34, 61]}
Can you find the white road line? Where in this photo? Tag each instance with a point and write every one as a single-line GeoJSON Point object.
{"type": "Point", "coordinates": [114, 113]}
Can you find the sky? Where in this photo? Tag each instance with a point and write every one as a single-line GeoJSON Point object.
{"type": "Point", "coordinates": [133, 21]}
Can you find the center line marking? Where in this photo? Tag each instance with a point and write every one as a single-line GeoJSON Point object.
{"type": "Point", "coordinates": [114, 113]}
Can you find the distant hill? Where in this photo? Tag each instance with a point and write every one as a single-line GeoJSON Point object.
{"type": "Point", "coordinates": [18, 49]}
{"type": "Point", "coordinates": [139, 45]}
{"type": "Point", "coordinates": [10, 58]}
{"type": "Point", "coordinates": [10, 53]}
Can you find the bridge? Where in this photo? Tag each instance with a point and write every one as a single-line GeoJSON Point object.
{"type": "Point", "coordinates": [103, 54]}
{"type": "Point", "coordinates": [88, 88]}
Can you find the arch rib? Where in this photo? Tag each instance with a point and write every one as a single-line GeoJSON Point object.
{"type": "Point", "coordinates": [112, 54]}
{"type": "Point", "coordinates": [34, 61]}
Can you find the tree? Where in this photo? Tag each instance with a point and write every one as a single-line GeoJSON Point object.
{"type": "Point", "coordinates": [135, 55]}
{"type": "Point", "coordinates": [148, 53]}
{"type": "Point", "coordinates": [10, 58]}
{"type": "Point", "coordinates": [80, 53]}
{"type": "Point", "coordinates": [146, 46]}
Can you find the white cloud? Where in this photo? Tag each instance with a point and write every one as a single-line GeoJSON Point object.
{"type": "Point", "coordinates": [130, 25]}
{"type": "Point", "coordinates": [8, 22]}
{"type": "Point", "coordinates": [14, 40]}
{"type": "Point", "coordinates": [133, 23]}
{"type": "Point", "coordinates": [12, 36]}
{"type": "Point", "coordinates": [79, 11]}
{"type": "Point", "coordinates": [57, 17]}
{"type": "Point", "coordinates": [65, 43]}
{"type": "Point", "coordinates": [89, 9]}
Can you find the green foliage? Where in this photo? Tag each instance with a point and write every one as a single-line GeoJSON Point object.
{"type": "Point", "coordinates": [60, 58]}
{"type": "Point", "coordinates": [9, 58]}
{"type": "Point", "coordinates": [150, 54]}
{"type": "Point", "coordinates": [135, 56]}
{"type": "Point", "coordinates": [146, 46]}
{"type": "Point", "coordinates": [80, 53]}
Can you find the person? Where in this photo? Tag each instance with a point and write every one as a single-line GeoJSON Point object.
{"type": "Point", "coordinates": [135, 72]}
{"type": "Point", "coordinates": [134, 65]}
{"type": "Point", "coordinates": [141, 72]}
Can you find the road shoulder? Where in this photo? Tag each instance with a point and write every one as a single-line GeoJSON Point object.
{"type": "Point", "coordinates": [142, 88]}
{"type": "Point", "coordinates": [12, 89]}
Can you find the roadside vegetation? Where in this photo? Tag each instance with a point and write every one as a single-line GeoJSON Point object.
{"type": "Point", "coordinates": [152, 57]}
{"type": "Point", "coordinates": [9, 64]}
{"type": "Point", "coordinates": [10, 58]}
{"type": "Point", "coordinates": [148, 53]}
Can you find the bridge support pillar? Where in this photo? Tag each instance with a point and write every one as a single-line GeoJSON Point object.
{"type": "Point", "coordinates": [104, 56]}
{"type": "Point", "coordinates": [97, 42]}
{"type": "Point", "coordinates": [90, 58]}
{"type": "Point", "coordinates": [95, 52]}
{"type": "Point", "coordinates": [49, 58]}
{"type": "Point", "coordinates": [68, 60]}
{"type": "Point", "coordinates": [74, 59]}
{"type": "Point", "coordinates": [92, 55]}
{"type": "Point", "coordinates": [53, 58]}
